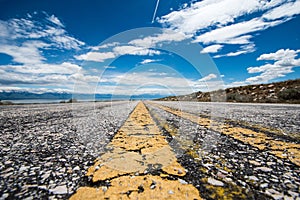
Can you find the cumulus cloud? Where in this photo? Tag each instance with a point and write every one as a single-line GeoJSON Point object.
{"type": "Point", "coordinates": [156, 82]}
{"type": "Point", "coordinates": [288, 9]}
{"type": "Point", "coordinates": [63, 68]}
{"type": "Point", "coordinates": [220, 22]}
{"type": "Point", "coordinates": [211, 12]}
{"type": "Point", "coordinates": [134, 50]}
{"type": "Point", "coordinates": [96, 56]}
{"type": "Point", "coordinates": [284, 60]}
{"type": "Point", "coordinates": [117, 51]}
{"type": "Point", "coordinates": [60, 75]}
{"type": "Point", "coordinates": [26, 53]}
{"type": "Point", "coordinates": [33, 90]}
{"type": "Point", "coordinates": [282, 54]}
{"type": "Point", "coordinates": [51, 31]}
{"type": "Point", "coordinates": [160, 82]}
{"type": "Point", "coordinates": [208, 77]}
{"type": "Point", "coordinates": [165, 36]}
{"type": "Point", "coordinates": [212, 48]}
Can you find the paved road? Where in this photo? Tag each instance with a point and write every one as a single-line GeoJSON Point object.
{"type": "Point", "coordinates": [150, 150]}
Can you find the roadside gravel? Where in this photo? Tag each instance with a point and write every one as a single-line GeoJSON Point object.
{"type": "Point", "coordinates": [284, 117]}
{"type": "Point", "coordinates": [46, 149]}
{"type": "Point", "coordinates": [218, 164]}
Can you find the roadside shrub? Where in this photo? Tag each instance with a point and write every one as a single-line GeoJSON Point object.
{"type": "Point", "coordinates": [239, 98]}
{"type": "Point", "coordinates": [290, 94]}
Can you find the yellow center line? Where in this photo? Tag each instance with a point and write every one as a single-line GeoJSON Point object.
{"type": "Point", "coordinates": [260, 140]}
{"type": "Point", "coordinates": [137, 148]}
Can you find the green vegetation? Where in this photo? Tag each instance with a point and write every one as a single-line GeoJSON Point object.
{"type": "Point", "coordinates": [280, 92]}
{"type": "Point", "coordinates": [290, 94]}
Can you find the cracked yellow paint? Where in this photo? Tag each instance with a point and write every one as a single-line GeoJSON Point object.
{"type": "Point", "coordinates": [139, 187]}
{"type": "Point", "coordinates": [136, 150]}
{"type": "Point", "coordinates": [260, 140]}
{"type": "Point", "coordinates": [230, 190]}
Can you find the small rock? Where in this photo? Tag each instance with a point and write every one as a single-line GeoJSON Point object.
{"type": "Point", "coordinates": [182, 181]}
{"type": "Point", "coordinates": [253, 162]}
{"type": "Point", "coordinates": [104, 188]}
{"type": "Point", "coordinates": [288, 198]}
{"type": "Point", "coordinates": [264, 185]}
{"type": "Point", "coordinates": [62, 189]}
{"type": "Point", "coordinates": [4, 196]}
{"type": "Point", "coordinates": [264, 169]}
{"type": "Point", "coordinates": [77, 168]}
{"type": "Point", "coordinates": [274, 194]}
{"type": "Point", "coordinates": [254, 178]}
{"type": "Point", "coordinates": [170, 192]}
{"type": "Point", "coordinates": [270, 163]}
{"type": "Point", "coordinates": [23, 168]}
{"type": "Point", "coordinates": [44, 187]}
{"type": "Point", "coordinates": [293, 194]}
{"type": "Point", "coordinates": [215, 182]}
{"type": "Point", "coordinates": [46, 175]}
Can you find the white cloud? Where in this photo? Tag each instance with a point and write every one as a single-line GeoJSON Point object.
{"type": "Point", "coordinates": [79, 77]}
{"type": "Point", "coordinates": [282, 54]}
{"type": "Point", "coordinates": [212, 48]}
{"type": "Point", "coordinates": [104, 46]}
{"type": "Point", "coordinates": [288, 9]}
{"type": "Point", "coordinates": [109, 67]}
{"type": "Point", "coordinates": [117, 51]}
{"type": "Point", "coordinates": [203, 14]}
{"type": "Point", "coordinates": [236, 33]}
{"type": "Point", "coordinates": [152, 41]}
{"type": "Point", "coordinates": [208, 78]}
{"type": "Point", "coordinates": [284, 62]}
{"type": "Point", "coordinates": [27, 53]}
{"type": "Point", "coordinates": [34, 90]}
{"type": "Point", "coordinates": [134, 50]}
{"type": "Point", "coordinates": [96, 56]}
{"type": "Point", "coordinates": [55, 20]}
{"type": "Point", "coordinates": [60, 75]}
{"type": "Point", "coordinates": [221, 22]}
{"type": "Point", "coordinates": [50, 31]}
{"type": "Point", "coordinates": [43, 68]}
{"type": "Point", "coordinates": [67, 42]}
{"type": "Point", "coordinates": [27, 41]}
{"type": "Point", "coordinates": [146, 61]}
{"type": "Point", "coordinates": [243, 50]}
{"type": "Point", "coordinates": [160, 82]}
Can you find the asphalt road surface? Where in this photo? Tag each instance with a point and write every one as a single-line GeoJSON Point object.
{"type": "Point", "coordinates": [150, 150]}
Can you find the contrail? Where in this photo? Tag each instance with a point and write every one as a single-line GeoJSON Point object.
{"type": "Point", "coordinates": [154, 14]}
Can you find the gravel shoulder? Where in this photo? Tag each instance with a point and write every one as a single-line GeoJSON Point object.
{"type": "Point", "coordinates": [46, 149]}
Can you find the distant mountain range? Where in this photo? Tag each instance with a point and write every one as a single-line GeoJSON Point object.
{"type": "Point", "coordinates": [280, 92]}
{"type": "Point", "coordinates": [22, 95]}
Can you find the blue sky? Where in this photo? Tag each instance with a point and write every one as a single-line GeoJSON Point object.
{"type": "Point", "coordinates": [116, 47]}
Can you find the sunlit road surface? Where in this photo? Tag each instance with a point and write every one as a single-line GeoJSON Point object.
{"type": "Point", "coordinates": [136, 151]}
{"type": "Point", "coordinates": [162, 160]}
{"type": "Point", "coordinates": [150, 150]}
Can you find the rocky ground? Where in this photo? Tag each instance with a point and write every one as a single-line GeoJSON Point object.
{"type": "Point", "coordinates": [222, 166]}
{"type": "Point", "coordinates": [46, 149]}
{"type": "Point", "coordinates": [284, 117]}
{"type": "Point", "coordinates": [278, 92]}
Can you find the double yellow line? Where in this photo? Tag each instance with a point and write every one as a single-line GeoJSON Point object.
{"type": "Point", "coordinates": [258, 139]}
{"type": "Point", "coordinates": [137, 151]}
